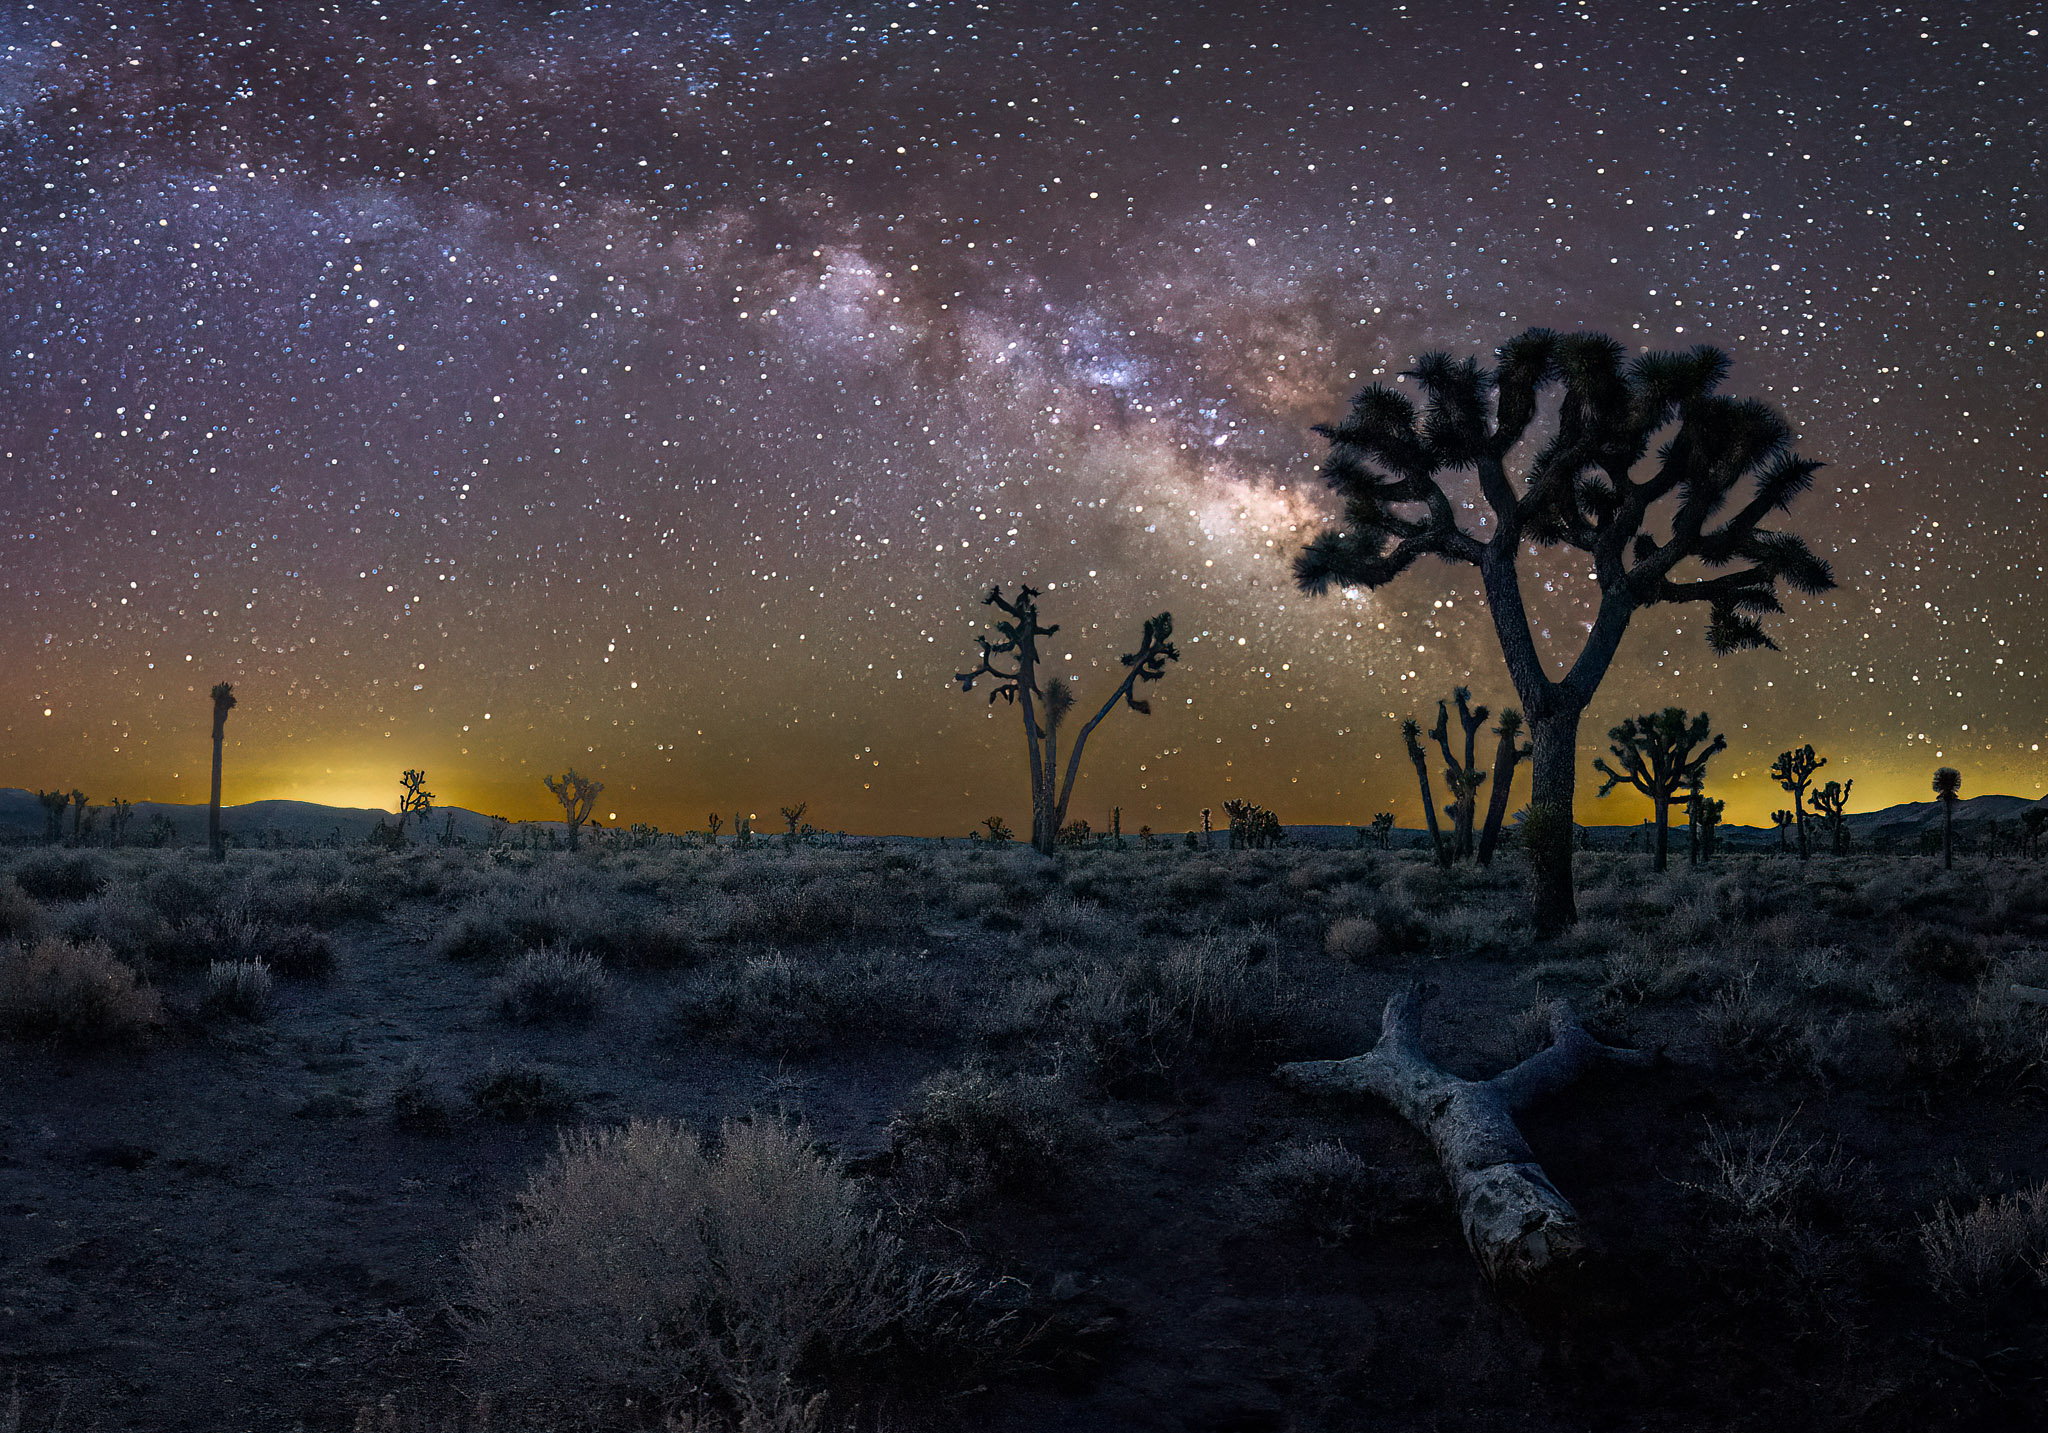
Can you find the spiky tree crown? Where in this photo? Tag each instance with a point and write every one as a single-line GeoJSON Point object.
{"type": "Point", "coordinates": [1659, 753]}
{"type": "Point", "coordinates": [1948, 783]}
{"type": "Point", "coordinates": [1388, 460]}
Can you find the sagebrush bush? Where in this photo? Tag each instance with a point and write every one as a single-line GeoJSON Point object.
{"type": "Point", "coordinates": [182, 889]}
{"type": "Point", "coordinates": [746, 1281]}
{"type": "Point", "coordinates": [1144, 1020]}
{"type": "Point", "coordinates": [548, 985]}
{"type": "Point", "coordinates": [60, 875]}
{"type": "Point", "coordinates": [786, 1004]}
{"type": "Point", "coordinates": [972, 1135]}
{"type": "Point", "coordinates": [1319, 1187]}
{"type": "Point", "coordinates": [1942, 954]}
{"type": "Point", "coordinates": [514, 1093]}
{"type": "Point", "coordinates": [417, 1104]}
{"type": "Point", "coordinates": [237, 989]}
{"type": "Point", "coordinates": [1974, 1257]}
{"type": "Point", "coordinates": [76, 994]}
{"type": "Point", "coordinates": [20, 917]}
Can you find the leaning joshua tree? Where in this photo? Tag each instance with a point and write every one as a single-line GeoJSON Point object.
{"type": "Point", "coordinates": [578, 795]}
{"type": "Point", "coordinates": [1516, 1223]}
{"type": "Point", "coordinates": [1725, 468]}
{"type": "Point", "coordinates": [1463, 778]}
{"type": "Point", "coordinates": [414, 799]}
{"type": "Point", "coordinates": [1662, 756]}
{"type": "Point", "coordinates": [1793, 771]}
{"type": "Point", "coordinates": [1411, 736]}
{"type": "Point", "coordinates": [223, 703]}
{"type": "Point", "coordinates": [1020, 636]}
{"type": "Point", "coordinates": [1948, 785]}
{"type": "Point", "coordinates": [1832, 802]}
{"type": "Point", "coordinates": [1507, 755]}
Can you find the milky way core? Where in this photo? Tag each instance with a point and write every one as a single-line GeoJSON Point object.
{"type": "Point", "coordinates": [656, 388]}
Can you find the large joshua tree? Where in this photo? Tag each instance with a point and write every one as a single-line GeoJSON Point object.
{"type": "Point", "coordinates": [1727, 464]}
{"type": "Point", "coordinates": [223, 703]}
{"type": "Point", "coordinates": [1044, 708]}
{"type": "Point", "coordinates": [1793, 771]}
{"type": "Point", "coordinates": [1948, 786]}
{"type": "Point", "coordinates": [1662, 755]}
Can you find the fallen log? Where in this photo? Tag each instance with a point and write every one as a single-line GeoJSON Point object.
{"type": "Point", "coordinates": [1516, 1223]}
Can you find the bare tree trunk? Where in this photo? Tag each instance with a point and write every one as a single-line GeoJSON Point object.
{"type": "Point", "coordinates": [1663, 833]}
{"type": "Point", "coordinates": [213, 841]}
{"type": "Point", "coordinates": [1504, 759]}
{"type": "Point", "coordinates": [1553, 781]}
{"type": "Point", "coordinates": [1516, 1223]}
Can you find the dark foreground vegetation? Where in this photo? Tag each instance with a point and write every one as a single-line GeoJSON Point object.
{"type": "Point", "coordinates": [896, 1138]}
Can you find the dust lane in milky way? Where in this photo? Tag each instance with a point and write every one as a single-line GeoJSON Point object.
{"type": "Point", "coordinates": [656, 389]}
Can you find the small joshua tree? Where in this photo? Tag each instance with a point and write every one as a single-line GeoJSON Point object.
{"type": "Point", "coordinates": [414, 799]}
{"type": "Point", "coordinates": [1208, 830]}
{"type": "Point", "coordinates": [1462, 778]}
{"type": "Point", "coordinates": [223, 703]}
{"type": "Point", "coordinates": [1728, 466]}
{"type": "Point", "coordinates": [742, 831]}
{"type": "Point", "coordinates": [77, 813]}
{"type": "Point", "coordinates": [792, 817]}
{"type": "Point", "coordinates": [1793, 771]}
{"type": "Point", "coordinates": [1783, 820]}
{"type": "Point", "coordinates": [55, 803]}
{"type": "Point", "coordinates": [1832, 802]}
{"type": "Point", "coordinates": [712, 824]}
{"type": "Point", "coordinates": [119, 814]}
{"type": "Point", "coordinates": [578, 795]}
{"type": "Point", "coordinates": [1507, 755]}
{"type": "Point", "coordinates": [1021, 633]}
{"type": "Point", "coordinates": [1661, 755]}
{"type": "Point", "coordinates": [999, 830]}
{"type": "Point", "coordinates": [1411, 736]}
{"type": "Point", "coordinates": [2032, 820]}
{"type": "Point", "coordinates": [1383, 829]}
{"type": "Point", "coordinates": [1252, 826]}
{"type": "Point", "coordinates": [1948, 786]}
{"type": "Point", "coordinates": [1707, 813]}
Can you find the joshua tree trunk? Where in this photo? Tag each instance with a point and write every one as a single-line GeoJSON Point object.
{"type": "Point", "coordinates": [1516, 1223]}
{"type": "Point", "coordinates": [1663, 805]}
{"type": "Point", "coordinates": [1506, 757]}
{"type": "Point", "coordinates": [1421, 759]}
{"type": "Point", "coordinates": [1553, 784]}
{"type": "Point", "coordinates": [223, 702]}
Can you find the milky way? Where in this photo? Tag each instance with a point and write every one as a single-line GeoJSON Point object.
{"type": "Point", "coordinates": [655, 388]}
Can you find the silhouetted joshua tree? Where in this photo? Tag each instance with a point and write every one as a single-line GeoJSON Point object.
{"type": "Point", "coordinates": [1706, 816]}
{"type": "Point", "coordinates": [1948, 786]}
{"type": "Point", "coordinates": [77, 813]}
{"type": "Point", "coordinates": [999, 830]}
{"type": "Point", "coordinates": [119, 814]}
{"type": "Point", "coordinates": [55, 803]}
{"type": "Point", "coordinates": [712, 823]}
{"type": "Point", "coordinates": [1252, 826]}
{"type": "Point", "coordinates": [1383, 829]}
{"type": "Point", "coordinates": [1793, 771]}
{"type": "Point", "coordinates": [1661, 755]}
{"type": "Point", "coordinates": [1507, 755]}
{"type": "Point", "coordinates": [414, 800]}
{"type": "Point", "coordinates": [223, 703]}
{"type": "Point", "coordinates": [1462, 778]}
{"type": "Point", "coordinates": [1020, 687]}
{"type": "Point", "coordinates": [1389, 462]}
{"type": "Point", "coordinates": [2032, 820]}
{"type": "Point", "coordinates": [791, 817]}
{"type": "Point", "coordinates": [578, 795]}
{"type": "Point", "coordinates": [1832, 802]}
{"type": "Point", "coordinates": [1783, 821]}
{"type": "Point", "coordinates": [1411, 735]}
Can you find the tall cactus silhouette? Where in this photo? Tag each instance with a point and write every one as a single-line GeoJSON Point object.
{"type": "Point", "coordinates": [1051, 792]}
{"type": "Point", "coordinates": [1507, 755]}
{"type": "Point", "coordinates": [1793, 771]}
{"type": "Point", "coordinates": [1726, 468]}
{"type": "Point", "coordinates": [54, 804]}
{"type": "Point", "coordinates": [414, 799]}
{"type": "Point", "coordinates": [1783, 821]}
{"type": "Point", "coordinates": [223, 703]}
{"type": "Point", "coordinates": [578, 795]}
{"type": "Point", "coordinates": [1411, 734]}
{"type": "Point", "coordinates": [1832, 802]}
{"type": "Point", "coordinates": [1948, 786]}
{"type": "Point", "coordinates": [1662, 755]}
{"type": "Point", "coordinates": [1462, 778]}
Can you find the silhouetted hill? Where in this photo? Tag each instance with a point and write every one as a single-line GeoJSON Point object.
{"type": "Point", "coordinates": [251, 824]}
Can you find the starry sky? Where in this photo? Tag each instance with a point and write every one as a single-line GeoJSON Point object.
{"type": "Point", "coordinates": [490, 386]}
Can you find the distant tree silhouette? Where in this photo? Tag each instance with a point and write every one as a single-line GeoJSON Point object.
{"type": "Point", "coordinates": [1662, 755]}
{"type": "Point", "coordinates": [1021, 634]}
{"type": "Point", "coordinates": [54, 803]}
{"type": "Point", "coordinates": [1948, 786]}
{"type": "Point", "coordinates": [119, 814]}
{"type": "Point", "coordinates": [1411, 737]}
{"type": "Point", "coordinates": [1793, 771]}
{"type": "Point", "coordinates": [223, 703]}
{"type": "Point", "coordinates": [578, 795]}
{"type": "Point", "coordinates": [1509, 753]}
{"type": "Point", "coordinates": [1577, 493]}
{"type": "Point", "coordinates": [414, 800]}
{"type": "Point", "coordinates": [712, 823]}
{"type": "Point", "coordinates": [1462, 778]}
{"type": "Point", "coordinates": [1783, 820]}
{"type": "Point", "coordinates": [77, 813]}
{"type": "Point", "coordinates": [998, 829]}
{"type": "Point", "coordinates": [792, 816]}
{"type": "Point", "coordinates": [1252, 826]}
{"type": "Point", "coordinates": [742, 831]}
{"type": "Point", "coordinates": [1383, 829]}
{"type": "Point", "coordinates": [2032, 820]}
{"type": "Point", "coordinates": [1832, 801]}
{"type": "Point", "coordinates": [1706, 813]}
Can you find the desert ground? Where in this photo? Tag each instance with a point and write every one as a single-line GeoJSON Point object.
{"type": "Point", "coordinates": [903, 1138]}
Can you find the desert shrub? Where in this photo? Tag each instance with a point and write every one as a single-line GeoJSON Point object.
{"type": "Point", "coordinates": [20, 917]}
{"type": "Point", "coordinates": [786, 1004]}
{"type": "Point", "coordinates": [296, 952]}
{"type": "Point", "coordinates": [548, 985]}
{"type": "Point", "coordinates": [1942, 954]}
{"type": "Point", "coordinates": [1987, 1036]}
{"type": "Point", "coordinates": [129, 925]}
{"type": "Point", "coordinates": [1198, 880]}
{"type": "Point", "coordinates": [1974, 1257]}
{"type": "Point", "coordinates": [747, 1282]}
{"type": "Point", "coordinates": [76, 994]}
{"type": "Point", "coordinates": [972, 1135]}
{"type": "Point", "coordinates": [238, 989]}
{"type": "Point", "coordinates": [181, 890]}
{"type": "Point", "coordinates": [320, 899]}
{"type": "Point", "coordinates": [1644, 974]}
{"type": "Point", "coordinates": [976, 898]}
{"type": "Point", "coordinates": [417, 1104]}
{"type": "Point", "coordinates": [1078, 922]}
{"type": "Point", "coordinates": [1356, 938]}
{"type": "Point", "coordinates": [60, 875]}
{"type": "Point", "coordinates": [1320, 1188]}
{"type": "Point", "coordinates": [519, 1092]}
{"type": "Point", "coordinates": [1831, 973]}
{"type": "Point", "coordinates": [1142, 1021]}
{"type": "Point", "coordinates": [477, 932]}
{"type": "Point", "coordinates": [663, 941]}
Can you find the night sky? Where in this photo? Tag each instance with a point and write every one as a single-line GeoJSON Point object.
{"type": "Point", "coordinates": [655, 388]}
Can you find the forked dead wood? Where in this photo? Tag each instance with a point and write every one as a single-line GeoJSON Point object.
{"type": "Point", "coordinates": [1518, 1226]}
